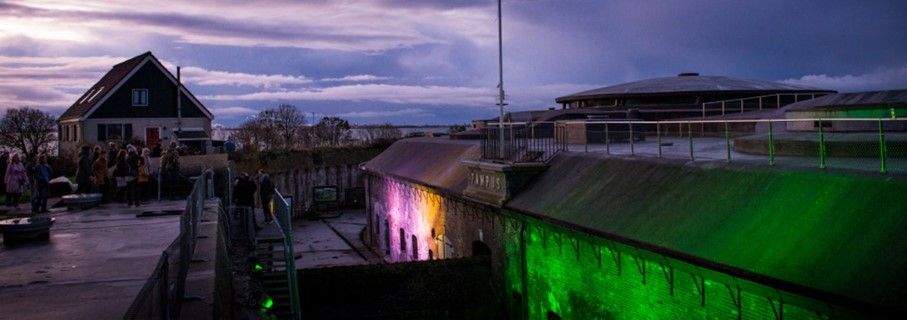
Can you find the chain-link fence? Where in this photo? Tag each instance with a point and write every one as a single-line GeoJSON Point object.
{"type": "Point", "coordinates": [162, 295]}
{"type": "Point", "coordinates": [849, 144]}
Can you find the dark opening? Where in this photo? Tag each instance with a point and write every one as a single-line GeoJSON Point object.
{"type": "Point", "coordinates": [415, 248]}
{"type": "Point", "coordinates": [431, 255]}
{"type": "Point", "coordinates": [402, 241]}
{"type": "Point", "coordinates": [387, 238]}
{"type": "Point", "coordinates": [553, 316]}
{"type": "Point", "coordinates": [479, 248]}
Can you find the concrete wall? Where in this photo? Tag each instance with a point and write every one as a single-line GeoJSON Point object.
{"type": "Point", "coordinates": [299, 182]}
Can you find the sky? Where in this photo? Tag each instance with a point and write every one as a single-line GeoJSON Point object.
{"type": "Point", "coordinates": [435, 61]}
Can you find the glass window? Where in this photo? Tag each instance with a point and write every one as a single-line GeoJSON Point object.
{"type": "Point", "coordinates": [114, 132]}
{"type": "Point", "coordinates": [139, 97]}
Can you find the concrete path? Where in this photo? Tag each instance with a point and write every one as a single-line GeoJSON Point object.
{"type": "Point", "coordinates": [331, 241]}
{"type": "Point", "coordinates": [91, 268]}
{"type": "Point", "coordinates": [200, 280]}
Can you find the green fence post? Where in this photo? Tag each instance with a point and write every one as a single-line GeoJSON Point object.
{"type": "Point", "coordinates": [658, 134]}
{"type": "Point", "coordinates": [821, 145]}
{"type": "Point", "coordinates": [690, 129]}
{"type": "Point", "coordinates": [631, 138]}
{"type": "Point", "coordinates": [727, 142]}
{"type": "Point", "coordinates": [771, 145]}
{"type": "Point", "coordinates": [883, 149]}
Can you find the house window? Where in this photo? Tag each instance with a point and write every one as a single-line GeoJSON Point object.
{"type": "Point", "coordinates": [139, 97]}
{"type": "Point", "coordinates": [114, 131]}
{"type": "Point", "coordinates": [387, 238]}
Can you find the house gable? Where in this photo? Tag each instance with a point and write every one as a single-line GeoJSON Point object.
{"type": "Point", "coordinates": [161, 97]}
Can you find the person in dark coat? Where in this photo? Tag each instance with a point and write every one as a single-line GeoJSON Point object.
{"type": "Point", "coordinates": [112, 152]}
{"type": "Point", "coordinates": [42, 174]}
{"type": "Point", "coordinates": [132, 159]}
{"type": "Point", "coordinates": [4, 161]}
{"type": "Point", "coordinates": [244, 196]}
{"type": "Point", "coordinates": [83, 171]}
{"type": "Point", "coordinates": [265, 192]}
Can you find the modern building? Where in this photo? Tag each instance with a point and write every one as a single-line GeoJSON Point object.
{"type": "Point", "coordinates": [858, 105]}
{"type": "Point", "coordinates": [585, 236]}
{"type": "Point", "coordinates": [683, 96]}
{"type": "Point", "coordinates": [136, 101]}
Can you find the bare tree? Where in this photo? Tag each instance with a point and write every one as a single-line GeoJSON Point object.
{"type": "Point", "coordinates": [331, 131]}
{"type": "Point", "coordinates": [28, 130]}
{"type": "Point", "coordinates": [281, 128]}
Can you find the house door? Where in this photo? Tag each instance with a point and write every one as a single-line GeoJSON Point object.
{"type": "Point", "coordinates": [152, 136]}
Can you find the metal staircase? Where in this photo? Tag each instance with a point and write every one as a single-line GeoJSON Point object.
{"type": "Point", "coordinates": [274, 275]}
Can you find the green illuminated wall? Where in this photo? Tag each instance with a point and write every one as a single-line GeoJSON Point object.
{"type": "Point", "coordinates": [565, 275]}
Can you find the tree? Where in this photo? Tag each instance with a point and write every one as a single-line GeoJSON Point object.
{"type": "Point", "coordinates": [331, 131]}
{"type": "Point", "coordinates": [28, 130]}
{"type": "Point", "coordinates": [381, 132]}
{"type": "Point", "coordinates": [281, 128]}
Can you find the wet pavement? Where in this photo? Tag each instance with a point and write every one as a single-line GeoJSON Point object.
{"type": "Point", "coordinates": [91, 268]}
{"type": "Point", "coordinates": [331, 242]}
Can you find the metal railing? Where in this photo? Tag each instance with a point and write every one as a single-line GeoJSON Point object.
{"type": "Point", "coordinates": [769, 101]}
{"type": "Point", "coordinates": [283, 214]}
{"type": "Point", "coordinates": [523, 142]}
{"type": "Point", "coordinates": [163, 293]}
{"type": "Point", "coordinates": [873, 144]}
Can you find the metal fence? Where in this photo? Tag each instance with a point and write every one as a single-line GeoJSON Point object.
{"type": "Point", "coordinates": [283, 214]}
{"type": "Point", "coordinates": [273, 246]}
{"type": "Point", "coordinates": [522, 142]}
{"type": "Point", "coordinates": [757, 103]}
{"type": "Point", "coordinates": [878, 144]}
{"type": "Point", "coordinates": [162, 295]}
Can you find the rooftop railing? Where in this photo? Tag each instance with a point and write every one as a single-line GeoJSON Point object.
{"type": "Point", "coordinates": [869, 144]}
{"type": "Point", "coordinates": [770, 101]}
{"type": "Point", "coordinates": [522, 142]}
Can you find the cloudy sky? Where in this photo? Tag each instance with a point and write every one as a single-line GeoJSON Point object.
{"type": "Point", "coordinates": [435, 61]}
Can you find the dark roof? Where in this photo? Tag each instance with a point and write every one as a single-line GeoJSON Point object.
{"type": "Point", "coordinates": [687, 84]}
{"type": "Point", "coordinates": [435, 162]}
{"type": "Point", "coordinates": [102, 87]}
{"type": "Point", "coordinates": [852, 100]}
{"type": "Point", "coordinates": [117, 74]}
{"type": "Point", "coordinates": [838, 234]}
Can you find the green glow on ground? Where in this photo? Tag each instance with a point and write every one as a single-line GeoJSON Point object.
{"type": "Point", "coordinates": [257, 267]}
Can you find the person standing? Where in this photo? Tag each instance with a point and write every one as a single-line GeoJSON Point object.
{"type": "Point", "coordinates": [170, 169]}
{"type": "Point", "coordinates": [83, 171]}
{"type": "Point", "coordinates": [15, 180]}
{"type": "Point", "coordinates": [42, 174]}
{"type": "Point", "coordinates": [112, 152]}
{"type": "Point", "coordinates": [4, 162]}
{"type": "Point", "coordinates": [244, 196]}
{"type": "Point", "coordinates": [99, 174]}
{"type": "Point", "coordinates": [120, 172]}
{"type": "Point", "coordinates": [133, 160]}
{"type": "Point", "coordinates": [265, 192]}
{"type": "Point", "coordinates": [145, 174]}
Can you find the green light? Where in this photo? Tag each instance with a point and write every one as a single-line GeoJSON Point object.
{"type": "Point", "coordinates": [258, 268]}
{"type": "Point", "coordinates": [267, 303]}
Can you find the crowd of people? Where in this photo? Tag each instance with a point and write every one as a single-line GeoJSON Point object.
{"type": "Point", "coordinates": [245, 189]}
{"type": "Point", "coordinates": [18, 177]}
{"type": "Point", "coordinates": [125, 174]}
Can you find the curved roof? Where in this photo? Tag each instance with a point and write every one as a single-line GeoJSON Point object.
{"type": "Point", "coordinates": [687, 83]}
{"type": "Point", "coordinates": [852, 100]}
